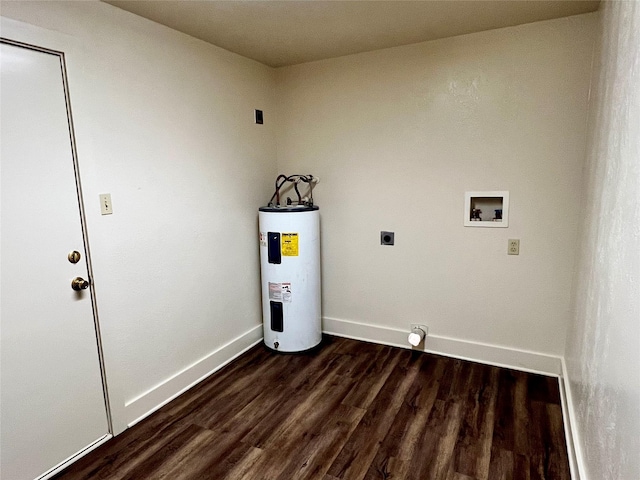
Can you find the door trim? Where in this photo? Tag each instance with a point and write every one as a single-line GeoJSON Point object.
{"type": "Point", "coordinates": [85, 237]}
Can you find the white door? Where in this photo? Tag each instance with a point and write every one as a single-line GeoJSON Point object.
{"type": "Point", "coordinates": [51, 393]}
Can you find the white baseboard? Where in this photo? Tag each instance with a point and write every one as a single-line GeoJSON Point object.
{"type": "Point", "coordinates": [75, 457]}
{"type": "Point", "coordinates": [574, 448]}
{"type": "Point", "coordinates": [158, 396]}
{"type": "Point", "coordinates": [497, 355]}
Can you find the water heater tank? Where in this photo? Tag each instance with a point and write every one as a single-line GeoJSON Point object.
{"type": "Point", "coordinates": [290, 267]}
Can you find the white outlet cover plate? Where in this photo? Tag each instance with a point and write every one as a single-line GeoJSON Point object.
{"type": "Point", "coordinates": [513, 246]}
{"type": "Point", "coordinates": [106, 208]}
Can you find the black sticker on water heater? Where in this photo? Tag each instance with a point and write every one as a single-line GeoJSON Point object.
{"type": "Point", "coordinates": [273, 253]}
{"type": "Point", "coordinates": [277, 320]}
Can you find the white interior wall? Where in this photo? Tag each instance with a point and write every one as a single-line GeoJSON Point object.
{"type": "Point", "coordinates": [603, 341]}
{"type": "Point", "coordinates": [397, 136]}
{"type": "Point", "coordinates": [164, 123]}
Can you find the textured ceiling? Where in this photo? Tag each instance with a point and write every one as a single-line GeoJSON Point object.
{"type": "Point", "coordinates": [279, 33]}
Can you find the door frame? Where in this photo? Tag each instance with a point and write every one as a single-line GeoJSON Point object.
{"type": "Point", "coordinates": [85, 238]}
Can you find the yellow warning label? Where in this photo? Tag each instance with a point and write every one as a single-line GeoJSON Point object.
{"type": "Point", "coordinates": [289, 244]}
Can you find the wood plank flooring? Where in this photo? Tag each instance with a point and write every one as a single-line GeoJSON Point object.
{"type": "Point", "coordinates": [349, 410]}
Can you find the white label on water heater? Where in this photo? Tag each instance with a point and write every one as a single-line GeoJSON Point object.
{"type": "Point", "coordinates": [280, 292]}
{"type": "Point", "coordinates": [286, 293]}
{"type": "Point", "coordinates": [275, 292]}
{"type": "Point", "coordinates": [263, 239]}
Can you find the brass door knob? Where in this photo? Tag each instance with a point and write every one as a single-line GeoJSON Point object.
{"type": "Point", "coordinates": [79, 283]}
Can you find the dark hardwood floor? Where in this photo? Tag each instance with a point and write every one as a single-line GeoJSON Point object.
{"type": "Point", "coordinates": [349, 410]}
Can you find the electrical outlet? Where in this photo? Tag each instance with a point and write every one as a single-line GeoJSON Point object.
{"type": "Point", "coordinates": [513, 246]}
{"type": "Point", "coordinates": [387, 238]}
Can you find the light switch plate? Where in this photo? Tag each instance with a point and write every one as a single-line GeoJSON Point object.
{"type": "Point", "coordinates": [105, 204]}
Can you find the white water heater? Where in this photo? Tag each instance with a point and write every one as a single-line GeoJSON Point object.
{"type": "Point", "coordinates": [290, 266]}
